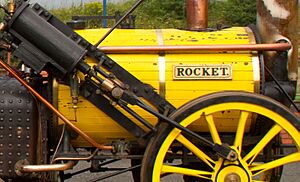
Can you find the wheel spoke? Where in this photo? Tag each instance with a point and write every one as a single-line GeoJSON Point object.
{"type": "Point", "coordinates": [263, 142]}
{"type": "Point", "coordinates": [295, 157]}
{"type": "Point", "coordinates": [185, 171]}
{"type": "Point", "coordinates": [201, 155]}
{"type": "Point", "coordinates": [240, 131]}
{"type": "Point", "coordinates": [213, 129]}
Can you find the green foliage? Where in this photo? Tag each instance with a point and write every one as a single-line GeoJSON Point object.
{"type": "Point", "coordinates": [161, 14]}
{"type": "Point", "coordinates": [240, 12]}
{"type": "Point", "coordinates": [168, 13]}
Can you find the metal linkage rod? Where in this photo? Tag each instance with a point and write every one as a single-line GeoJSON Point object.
{"type": "Point", "coordinates": [222, 150]}
{"type": "Point", "coordinates": [119, 22]}
{"type": "Point", "coordinates": [282, 89]}
{"type": "Point", "coordinates": [115, 173]}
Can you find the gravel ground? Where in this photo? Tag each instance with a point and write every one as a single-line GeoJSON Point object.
{"type": "Point", "coordinates": [291, 173]}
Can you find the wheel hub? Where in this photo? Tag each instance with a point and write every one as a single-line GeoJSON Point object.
{"type": "Point", "coordinates": [232, 174]}
{"type": "Point", "coordinates": [232, 177]}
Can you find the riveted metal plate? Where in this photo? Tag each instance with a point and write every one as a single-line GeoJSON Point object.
{"type": "Point", "coordinates": [18, 128]}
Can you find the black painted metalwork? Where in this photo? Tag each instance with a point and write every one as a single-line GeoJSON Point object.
{"type": "Point", "coordinates": [19, 128]}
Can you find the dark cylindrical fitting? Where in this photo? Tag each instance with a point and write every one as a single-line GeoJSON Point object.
{"type": "Point", "coordinates": [197, 14]}
{"type": "Point", "coordinates": [36, 30]}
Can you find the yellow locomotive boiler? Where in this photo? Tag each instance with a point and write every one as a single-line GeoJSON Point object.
{"type": "Point", "coordinates": [218, 71]}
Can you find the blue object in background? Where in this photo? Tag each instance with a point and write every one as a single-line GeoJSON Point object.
{"type": "Point", "coordinates": [104, 14]}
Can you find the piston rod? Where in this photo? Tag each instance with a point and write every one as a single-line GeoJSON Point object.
{"type": "Point", "coordinates": [195, 48]}
{"type": "Point", "coordinates": [50, 106]}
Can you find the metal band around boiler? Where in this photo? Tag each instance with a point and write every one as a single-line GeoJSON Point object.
{"type": "Point", "coordinates": [161, 65]}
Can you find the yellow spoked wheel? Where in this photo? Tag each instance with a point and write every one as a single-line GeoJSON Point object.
{"type": "Point", "coordinates": [172, 152]}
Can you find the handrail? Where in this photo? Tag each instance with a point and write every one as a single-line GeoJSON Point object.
{"type": "Point", "coordinates": [194, 48]}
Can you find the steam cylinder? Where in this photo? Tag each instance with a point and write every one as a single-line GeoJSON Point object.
{"type": "Point", "coordinates": [33, 26]}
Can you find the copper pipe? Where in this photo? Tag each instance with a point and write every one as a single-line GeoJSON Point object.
{"type": "Point", "coordinates": [197, 14]}
{"type": "Point", "coordinates": [59, 114]}
{"type": "Point", "coordinates": [195, 48]}
{"type": "Point", "coordinates": [76, 158]}
{"type": "Point", "coordinates": [45, 167]}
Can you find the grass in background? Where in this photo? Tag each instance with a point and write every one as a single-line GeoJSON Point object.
{"type": "Point", "coordinates": [167, 14]}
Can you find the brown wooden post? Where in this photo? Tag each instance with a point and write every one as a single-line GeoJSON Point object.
{"type": "Point", "coordinates": [197, 14]}
{"type": "Point", "coordinates": [277, 19]}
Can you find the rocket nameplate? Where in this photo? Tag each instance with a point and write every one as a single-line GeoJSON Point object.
{"type": "Point", "coordinates": [202, 72]}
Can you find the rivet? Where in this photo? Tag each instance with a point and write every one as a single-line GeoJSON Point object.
{"type": "Point", "coordinates": [2, 101]}
{"type": "Point", "coordinates": [19, 110]}
{"type": "Point", "coordinates": [19, 137]}
{"type": "Point", "coordinates": [36, 7]}
{"type": "Point", "coordinates": [27, 119]}
{"type": "Point", "coordinates": [18, 154]}
{"type": "Point", "coordinates": [19, 119]}
{"type": "Point", "coordinates": [1, 136]}
{"type": "Point", "coordinates": [1, 127]}
{"type": "Point", "coordinates": [2, 119]}
{"type": "Point", "coordinates": [1, 145]}
{"type": "Point", "coordinates": [1, 162]}
{"type": "Point", "coordinates": [27, 145]}
{"type": "Point", "coordinates": [93, 49]}
{"type": "Point", "coordinates": [28, 111]}
{"type": "Point", "coordinates": [20, 91]}
{"type": "Point", "coordinates": [1, 171]}
{"type": "Point", "coordinates": [46, 13]}
{"type": "Point", "coordinates": [10, 111]}
{"type": "Point", "coordinates": [1, 153]}
{"type": "Point", "coordinates": [19, 145]}
{"type": "Point", "coordinates": [10, 119]}
{"type": "Point", "coordinates": [10, 128]}
{"type": "Point", "coordinates": [27, 137]}
{"type": "Point", "coordinates": [9, 153]}
{"type": "Point", "coordinates": [20, 100]}
{"type": "Point", "coordinates": [10, 101]}
{"type": "Point", "coordinates": [74, 36]}
{"type": "Point", "coordinates": [9, 171]}
{"type": "Point", "coordinates": [27, 154]}
{"type": "Point", "coordinates": [27, 128]}
{"type": "Point", "coordinates": [2, 110]}
{"type": "Point", "coordinates": [3, 92]}
{"type": "Point", "coordinates": [9, 162]}
{"type": "Point", "coordinates": [10, 145]}
{"type": "Point", "coordinates": [10, 135]}
{"type": "Point", "coordinates": [11, 92]}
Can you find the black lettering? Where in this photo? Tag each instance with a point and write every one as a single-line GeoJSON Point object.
{"type": "Point", "coordinates": [197, 71]}
{"type": "Point", "coordinates": [224, 71]}
{"type": "Point", "coordinates": [205, 71]}
{"type": "Point", "coordinates": [215, 72]}
{"type": "Point", "coordinates": [188, 72]}
{"type": "Point", "coordinates": [180, 72]}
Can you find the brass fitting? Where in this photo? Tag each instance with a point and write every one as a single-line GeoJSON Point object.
{"type": "Point", "coordinates": [11, 7]}
{"type": "Point", "coordinates": [2, 26]}
{"type": "Point", "coordinates": [108, 85]}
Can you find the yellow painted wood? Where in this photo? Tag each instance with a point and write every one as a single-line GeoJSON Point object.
{"type": "Point", "coordinates": [146, 68]}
